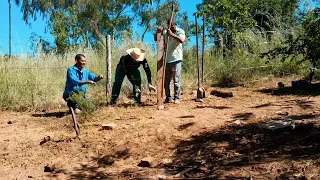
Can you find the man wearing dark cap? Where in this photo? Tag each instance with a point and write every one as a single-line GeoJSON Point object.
{"type": "Point", "coordinates": [174, 59]}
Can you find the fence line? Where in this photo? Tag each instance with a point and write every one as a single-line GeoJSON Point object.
{"type": "Point", "coordinates": [9, 68]}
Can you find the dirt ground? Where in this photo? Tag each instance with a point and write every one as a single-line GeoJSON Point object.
{"type": "Point", "coordinates": [221, 138]}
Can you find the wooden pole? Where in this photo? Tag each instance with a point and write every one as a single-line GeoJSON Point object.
{"type": "Point", "coordinates": [197, 49]}
{"type": "Point", "coordinates": [166, 54]}
{"type": "Point", "coordinates": [203, 41]}
{"type": "Point", "coordinates": [10, 30]}
{"type": "Point", "coordinates": [160, 76]}
{"type": "Point", "coordinates": [108, 68]}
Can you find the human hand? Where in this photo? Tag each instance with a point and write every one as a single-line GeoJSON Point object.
{"type": "Point", "coordinates": [151, 88]}
{"type": "Point", "coordinates": [100, 77]}
{"type": "Point", "coordinates": [170, 33]}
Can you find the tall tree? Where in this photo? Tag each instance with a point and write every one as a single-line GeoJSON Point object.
{"type": "Point", "coordinates": [156, 13]}
{"type": "Point", "coordinates": [81, 21]}
{"type": "Point", "coordinates": [306, 44]}
{"type": "Point", "coordinates": [231, 16]}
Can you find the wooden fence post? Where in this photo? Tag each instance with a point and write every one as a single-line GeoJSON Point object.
{"type": "Point", "coordinates": [108, 67]}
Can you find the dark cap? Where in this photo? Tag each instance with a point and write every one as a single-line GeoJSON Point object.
{"type": "Point", "coordinates": [173, 21]}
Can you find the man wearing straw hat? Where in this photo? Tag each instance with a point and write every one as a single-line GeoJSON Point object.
{"type": "Point", "coordinates": [129, 66]}
{"type": "Point", "coordinates": [174, 59]}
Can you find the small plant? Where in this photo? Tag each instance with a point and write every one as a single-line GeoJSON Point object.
{"type": "Point", "coordinates": [87, 107]}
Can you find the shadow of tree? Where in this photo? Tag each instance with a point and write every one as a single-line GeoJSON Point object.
{"type": "Point", "coordinates": [213, 107]}
{"type": "Point", "coordinates": [129, 105]}
{"type": "Point", "coordinates": [309, 90]}
{"type": "Point", "coordinates": [298, 117]}
{"type": "Point", "coordinates": [185, 126]}
{"type": "Point", "coordinates": [262, 105]}
{"type": "Point", "coordinates": [242, 116]}
{"type": "Point", "coordinates": [237, 152]}
{"type": "Point", "coordinates": [96, 168]}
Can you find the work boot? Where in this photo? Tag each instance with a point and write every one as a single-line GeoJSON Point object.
{"type": "Point", "coordinates": [168, 100]}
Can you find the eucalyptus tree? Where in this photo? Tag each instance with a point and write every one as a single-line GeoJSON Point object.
{"type": "Point", "coordinates": [74, 22]}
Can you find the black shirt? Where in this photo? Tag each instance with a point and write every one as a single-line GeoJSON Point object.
{"type": "Point", "coordinates": [127, 62]}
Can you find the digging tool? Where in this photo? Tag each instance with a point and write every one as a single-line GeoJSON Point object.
{"type": "Point", "coordinates": [200, 90]}
{"type": "Point", "coordinates": [161, 63]}
{"type": "Point", "coordinates": [75, 122]}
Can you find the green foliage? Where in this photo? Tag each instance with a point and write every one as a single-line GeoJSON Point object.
{"type": "Point", "coordinates": [86, 105]}
{"type": "Point", "coordinates": [307, 44]}
{"type": "Point", "coordinates": [226, 18]}
{"type": "Point", "coordinates": [77, 22]}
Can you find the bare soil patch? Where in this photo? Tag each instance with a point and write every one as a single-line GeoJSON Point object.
{"type": "Point", "coordinates": [221, 138]}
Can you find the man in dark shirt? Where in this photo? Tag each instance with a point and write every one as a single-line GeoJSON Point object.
{"type": "Point", "coordinates": [129, 66]}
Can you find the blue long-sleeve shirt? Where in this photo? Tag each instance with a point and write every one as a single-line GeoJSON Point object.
{"type": "Point", "coordinates": [74, 77]}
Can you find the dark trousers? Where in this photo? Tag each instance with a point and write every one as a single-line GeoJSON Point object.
{"type": "Point", "coordinates": [134, 77]}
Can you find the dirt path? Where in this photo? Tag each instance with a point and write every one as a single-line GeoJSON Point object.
{"type": "Point", "coordinates": [219, 138]}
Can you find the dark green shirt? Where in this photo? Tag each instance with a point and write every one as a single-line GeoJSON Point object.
{"type": "Point", "coordinates": [127, 62]}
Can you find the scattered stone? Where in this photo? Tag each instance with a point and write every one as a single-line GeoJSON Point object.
{"type": "Point", "coordinates": [146, 162]}
{"type": "Point", "coordinates": [4, 154]}
{"type": "Point", "coordinates": [166, 161]}
{"type": "Point", "coordinates": [30, 176]}
{"type": "Point", "coordinates": [161, 107]}
{"type": "Point", "coordinates": [108, 126]}
{"type": "Point", "coordinates": [221, 94]}
{"type": "Point", "coordinates": [282, 113]}
{"type": "Point", "coordinates": [9, 122]}
{"type": "Point", "coordinates": [274, 125]}
{"type": "Point", "coordinates": [160, 177]}
{"type": "Point", "coordinates": [237, 122]}
{"type": "Point", "coordinates": [48, 169]}
{"type": "Point", "coordinates": [45, 139]}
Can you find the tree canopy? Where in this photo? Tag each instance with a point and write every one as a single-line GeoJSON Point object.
{"type": "Point", "coordinates": [228, 17]}
{"type": "Point", "coordinates": [87, 22]}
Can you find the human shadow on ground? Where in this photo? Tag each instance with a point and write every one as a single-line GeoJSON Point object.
{"type": "Point", "coordinates": [59, 114]}
{"type": "Point", "coordinates": [242, 116]}
{"type": "Point", "coordinates": [229, 152]}
{"type": "Point", "coordinates": [308, 90]}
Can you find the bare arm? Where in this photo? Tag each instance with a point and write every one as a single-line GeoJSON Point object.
{"type": "Point", "coordinates": [176, 37]}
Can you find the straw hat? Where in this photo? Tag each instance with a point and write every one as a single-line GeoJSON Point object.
{"type": "Point", "coordinates": [136, 53]}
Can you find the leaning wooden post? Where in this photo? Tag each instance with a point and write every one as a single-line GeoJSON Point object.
{"type": "Point", "coordinates": [108, 68]}
{"type": "Point", "coordinates": [161, 62]}
{"type": "Point", "coordinates": [166, 51]}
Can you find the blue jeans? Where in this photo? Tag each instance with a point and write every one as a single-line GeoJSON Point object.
{"type": "Point", "coordinates": [173, 70]}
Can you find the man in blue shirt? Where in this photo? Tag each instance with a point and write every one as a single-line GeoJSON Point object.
{"type": "Point", "coordinates": [78, 79]}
